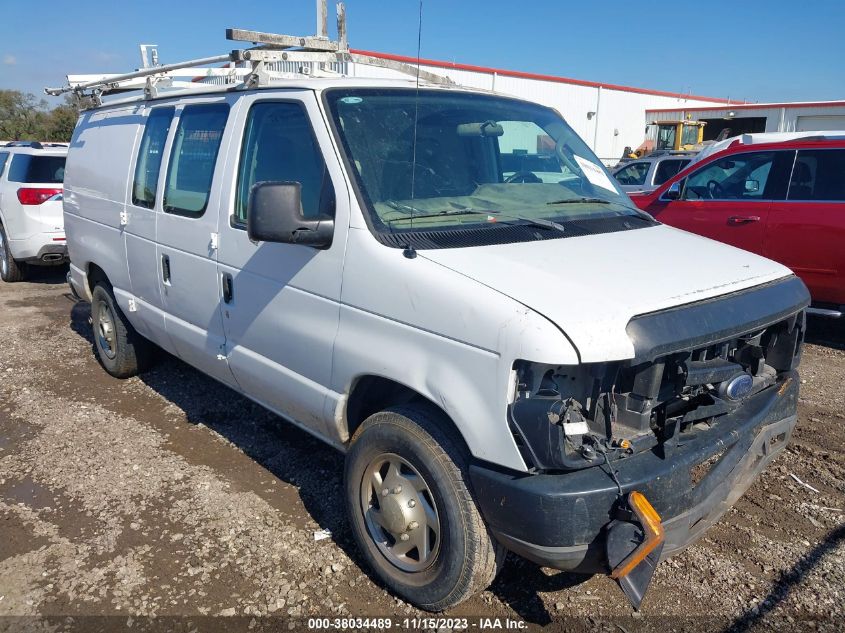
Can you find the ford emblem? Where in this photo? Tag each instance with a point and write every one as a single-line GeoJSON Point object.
{"type": "Point", "coordinates": [739, 387]}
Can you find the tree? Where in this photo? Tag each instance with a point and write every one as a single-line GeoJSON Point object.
{"type": "Point", "coordinates": [61, 120]}
{"type": "Point", "coordinates": [23, 117]}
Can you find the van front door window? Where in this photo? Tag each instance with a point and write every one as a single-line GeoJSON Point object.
{"type": "Point", "coordinates": [279, 145]}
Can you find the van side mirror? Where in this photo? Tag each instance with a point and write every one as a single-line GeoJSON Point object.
{"type": "Point", "coordinates": [274, 214]}
{"type": "Point", "coordinates": [674, 191]}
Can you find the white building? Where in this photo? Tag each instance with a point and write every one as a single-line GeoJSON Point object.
{"type": "Point", "coordinates": [608, 117]}
{"type": "Point", "coordinates": [758, 117]}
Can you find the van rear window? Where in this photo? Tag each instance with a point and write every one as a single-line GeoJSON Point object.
{"type": "Point", "coordinates": [37, 169]}
{"type": "Point", "coordinates": [193, 157]}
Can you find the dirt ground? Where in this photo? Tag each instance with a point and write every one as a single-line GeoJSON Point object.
{"type": "Point", "coordinates": [161, 501]}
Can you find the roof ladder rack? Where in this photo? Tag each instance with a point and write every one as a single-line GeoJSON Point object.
{"type": "Point", "coordinates": [312, 54]}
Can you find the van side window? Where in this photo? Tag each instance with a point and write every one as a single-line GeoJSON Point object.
{"type": "Point", "coordinates": [150, 153]}
{"type": "Point", "coordinates": [192, 158]}
{"type": "Point", "coordinates": [818, 174]}
{"type": "Point", "coordinates": [3, 157]}
{"type": "Point", "coordinates": [279, 145]}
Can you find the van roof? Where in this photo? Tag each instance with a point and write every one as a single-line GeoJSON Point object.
{"type": "Point", "coordinates": [316, 84]}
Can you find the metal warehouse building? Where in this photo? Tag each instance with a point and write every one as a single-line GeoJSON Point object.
{"type": "Point", "coordinates": [608, 117]}
{"type": "Point", "coordinates": [799, 116]}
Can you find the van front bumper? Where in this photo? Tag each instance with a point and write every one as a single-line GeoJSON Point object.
{"type": "Point", "coordinates": [560, 520]}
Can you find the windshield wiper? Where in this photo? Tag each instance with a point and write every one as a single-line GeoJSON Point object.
{"type": "Point", "coordinates": [581, 201]}
{"type": "Point", "coordinates": [401, 207]}
{"type": "Point", "coordinates": [635, 212]}
{"type": "Point", "coordinates": [540, 222]}
{"type": "Point", "coordinates": [440, 214]}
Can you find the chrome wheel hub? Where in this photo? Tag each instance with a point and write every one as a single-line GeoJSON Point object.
{"type": "Point", "coordinates": [400, 513]}
{"type": "Point", "coordinates": [105, 329]}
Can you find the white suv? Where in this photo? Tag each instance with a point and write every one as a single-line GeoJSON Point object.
{"type": "Point", "coordinates": [31, 223]}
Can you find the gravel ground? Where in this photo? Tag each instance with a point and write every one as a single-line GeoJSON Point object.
{"type": "Point", "coordinates": [167, 499]}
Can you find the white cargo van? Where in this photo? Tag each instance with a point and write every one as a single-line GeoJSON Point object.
{"type": "Point", "coordinates": [448, 286]}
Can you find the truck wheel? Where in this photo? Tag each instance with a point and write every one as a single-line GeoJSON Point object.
{"type": "Point", "coordinates": [412, 514]}
{"type": "Point", "coordinates": [121, 350]}
{"type": "Point", "coordinates": [10, 270]}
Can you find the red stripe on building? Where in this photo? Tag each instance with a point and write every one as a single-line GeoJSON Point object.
{"type": "Point", "coordinates": [523, 75]}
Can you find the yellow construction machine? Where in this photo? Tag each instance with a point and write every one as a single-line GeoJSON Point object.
{"type": "Point", "coordinates": [679, 135]}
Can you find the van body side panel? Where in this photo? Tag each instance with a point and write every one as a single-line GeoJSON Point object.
{"type": "Point", "coordinates": [442, 334]}
{"type": "Point", "coordinates": [282, 320]}
{"type": "Point", "coordinates": [97, 169]}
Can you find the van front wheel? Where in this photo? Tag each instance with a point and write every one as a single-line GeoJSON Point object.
{"type": "Point", "coordinates": [121, 350]}
{"type": "Point", "coordinates": [411, 510]}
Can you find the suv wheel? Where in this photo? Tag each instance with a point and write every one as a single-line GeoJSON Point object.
{"type": "Point", "coordinates": [121, 350]}
{"type": "Point", "coordinates": [412, 514]}
{"type": "Point", "coordinates": [10, 270]}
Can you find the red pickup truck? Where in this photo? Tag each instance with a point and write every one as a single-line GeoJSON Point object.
{"type": "Point", "coordinates": [783, 200]}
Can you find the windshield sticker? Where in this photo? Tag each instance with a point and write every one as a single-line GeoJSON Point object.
{"type": "Point", "coordinates": [595, 174]}
{"type": "Point", "coordinates": [351, 100]}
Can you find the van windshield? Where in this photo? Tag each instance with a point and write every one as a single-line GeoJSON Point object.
{"type": "Point", "coordinates": [471, 161]}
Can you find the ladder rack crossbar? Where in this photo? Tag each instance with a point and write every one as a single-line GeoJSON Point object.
{"type": "Point", "coordinates": [253, 67]}
{"type": "Point", "coordinates": [145, 72]}
{"type": "Point", "coordinates": [310, 43]}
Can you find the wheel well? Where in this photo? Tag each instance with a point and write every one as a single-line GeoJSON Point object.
{"type": "Point", "coordinates": [95, 274]}
{"type": "Point", "coordinates": [372, 394]}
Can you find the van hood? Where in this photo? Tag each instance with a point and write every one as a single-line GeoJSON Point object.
{"type": "Point", "coordinates": [592, 286]}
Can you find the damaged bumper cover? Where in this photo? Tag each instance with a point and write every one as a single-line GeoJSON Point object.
{"type": "Point", "coordinates": [560, 520]}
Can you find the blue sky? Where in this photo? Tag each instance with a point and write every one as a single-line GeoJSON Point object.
{"type": "Point", "coordinates": [774, 50]}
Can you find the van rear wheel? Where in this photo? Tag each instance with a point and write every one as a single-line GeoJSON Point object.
{"type": "Point", "coordinates": [10, 270]}
{"type": "Point", "coordinates": [411, 510]}
{"type": "Point", "coordinates": [121, 350]}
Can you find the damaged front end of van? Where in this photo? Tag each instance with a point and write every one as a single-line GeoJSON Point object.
{"type": "Point", "coordinates": [632, 461]}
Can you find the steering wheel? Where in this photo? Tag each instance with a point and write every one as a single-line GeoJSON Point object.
{"type": "Point", "coordinates": [715, 189]}
{"type": "Point", "coordinates": [523, 176]}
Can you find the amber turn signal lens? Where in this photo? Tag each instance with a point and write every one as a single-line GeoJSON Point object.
{"type": "Point", "coordinates": [653, 529]}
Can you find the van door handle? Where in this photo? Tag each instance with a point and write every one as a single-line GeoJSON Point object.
{"type": "Point", "coordinates": [165, 268]}
{"type": "Point", "coordinates": [743, 219]}
{"type": "Point", "coordinates": [228, 288]}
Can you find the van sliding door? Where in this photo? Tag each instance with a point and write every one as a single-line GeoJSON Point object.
{"type": "Point", "coordinates": [186, 235]}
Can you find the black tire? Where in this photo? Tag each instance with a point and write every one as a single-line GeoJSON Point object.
{"type": "Point", "coordinates": [467, 557]}
{"type": "Point", "coordinates": [120, 349]}
{"type": "Point", "coordinates": [11, 271]}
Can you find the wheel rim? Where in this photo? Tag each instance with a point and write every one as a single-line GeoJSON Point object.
{"type": "Point", "coordinates": [105, 329]}
{"type": "Point", "coordinates": [400, 513]}
{"type": "Point", "coordinates": [4, 264]}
